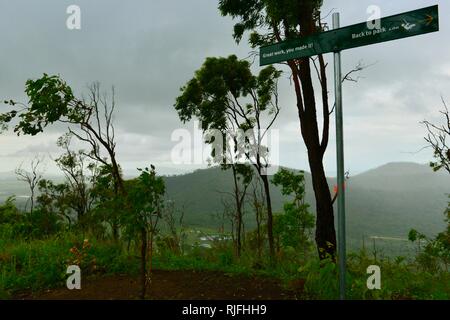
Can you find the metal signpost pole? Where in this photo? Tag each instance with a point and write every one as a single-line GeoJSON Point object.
{"type": "Point", "coordinates": [340, 165]}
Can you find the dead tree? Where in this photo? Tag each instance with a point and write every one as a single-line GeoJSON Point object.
{"type": "Point", "coordinates": [437, 139]}
{"type": "Point", "coordinates": [32, 178]}
{"type": "Point", "coordinates": [97, 130]}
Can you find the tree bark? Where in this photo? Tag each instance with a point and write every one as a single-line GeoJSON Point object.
{"type": "Point", "coordinates": [306, 104]}
{"type": "Point", "coordinates": [269, 215]}
{"type": "Point", "coordinates": [325, 231]}
{"type": "Point", "coordinates": [238, 212]}
{"type": "Point", "coordinates": [143, 262]}
{"type": "Point", "coordinates": [258, 215]}
{"type": "Point", "coordinates": [115, 231]}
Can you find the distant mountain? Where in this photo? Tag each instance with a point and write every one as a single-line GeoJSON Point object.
{"type": "Point", "coordinates": [386, 202]}
{"type": "Point", "coordinates": [403, 176]}
{"type": "Point", "coordinates": [392, 199]}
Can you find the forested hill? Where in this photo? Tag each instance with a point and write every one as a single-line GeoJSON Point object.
{"type": "Point", "coordinates": [387, 201]}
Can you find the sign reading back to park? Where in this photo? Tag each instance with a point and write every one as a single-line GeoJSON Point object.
{"type": "Point", "coordinates": [399, 26]}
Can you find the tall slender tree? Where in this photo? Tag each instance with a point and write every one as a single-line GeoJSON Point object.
{"type": "Point", "coordinates": [145, 202]}
{"type": "Point", "coordinates": [271, 21]}
{"type": "Point", "coordinates": [225, 96]}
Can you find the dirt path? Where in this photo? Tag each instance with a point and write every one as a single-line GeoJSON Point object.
{"type": "Point", "coordinates": [173, 285]}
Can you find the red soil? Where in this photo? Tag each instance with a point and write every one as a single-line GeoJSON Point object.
{"type": "Point", "coordinates": [175, 285]}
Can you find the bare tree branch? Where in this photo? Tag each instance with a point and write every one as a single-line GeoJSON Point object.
{"type": "Point", "coordinates": [437, 138]}
{"type": "Point", "coordinates": [32, 177]}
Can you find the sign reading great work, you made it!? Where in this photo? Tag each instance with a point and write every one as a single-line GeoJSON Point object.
{"type": "Point", "coordinates": [395, 27]}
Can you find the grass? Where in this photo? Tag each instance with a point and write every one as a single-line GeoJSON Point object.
{"type": "Point", "coordinates": [41, 264]}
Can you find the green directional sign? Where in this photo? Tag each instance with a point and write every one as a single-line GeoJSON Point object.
{"type": "Point", "coordinates": [395, 27]}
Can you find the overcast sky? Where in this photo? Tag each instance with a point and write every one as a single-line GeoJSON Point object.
{"type": "Point", "coordinates": [148, 49]}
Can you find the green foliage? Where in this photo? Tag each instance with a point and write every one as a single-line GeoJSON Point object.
{"type": "Point", "coordinates": [55, 199]}
{"type": "Point", "coordinates": [260, 17]}
{"type": "Point", "coordinates": [414, 236]}
{"type": "Point", "coordinates": [108, 205]}
{"type": "Point", "coordinates": [206, 95]}
{"type": "Point", "coordinates": [42, 264]}
{"type": "Point", "coordinates": [294, 224]}
{"type": "Point", "coordinates": [144, 201]}
{"type": "Point", "coordinates": [6, 117]}
{"type": "Point", "coordinates": [320, 279]}
{"type": "Point", "coordinates": [218, 84]}
{"type": "Point", "coordinates": [244, 173]}
{"type": "Point", "coordinates": [291, 183]}
{"type": "Point", "coordinates": [9, 212]}
{"type": "Point", "coordinates": [81, 173]}
{"type": "Point", "coordinates": [44, 223]}
{"type": "Point", "coordinates": [435, 255]}
{"type": "Point", "coordinates": [40, 261]}
{"type": "Point", "coordinates": [12, 222]}
{"type": "Point", "coordinates": [50, 99]}
{"type": "Point", "coordinates": [444, 237]}
{"type": "Point", "coordinates": [17, 225]}
{"type": "Point", "coordinates": [33, 266]}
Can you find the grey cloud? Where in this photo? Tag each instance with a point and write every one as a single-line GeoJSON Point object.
{"type": "Point", "coordinates": [149, 49]}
